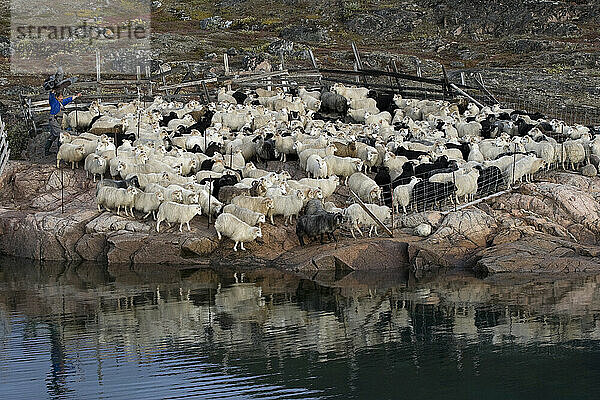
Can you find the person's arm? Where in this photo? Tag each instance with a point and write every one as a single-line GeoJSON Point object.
{"type": "Point", "coordinates": [69, 99]}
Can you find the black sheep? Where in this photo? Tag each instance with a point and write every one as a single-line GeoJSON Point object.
{"type": "Point", "coordinates": [212, 149]}
{"type": "Point", "coordinates": [384, 181]}
{"type": "Point", "coordinates": [207, 165]}
{"type": "Point", "coordinates": [464, 148]}
{"type": "Point", "coordinates": [452, 166]}
{"type": "Point", "coordinates": [168, 118]}
{"type": "Point", "coordinates": [225, 180]}
{"type": "Point", "coordinates": [490, 180]}
{"type": "Point", "coordinates": [408, 172]}
{"type": "Point", "coordinates": [410, 154]}
{"type": "Point", "coordinates": [240, 97]}
{"type": "Point", "coordinates": [333, 103]}
{"type": "Point", "coordinates": [427, 193]}
{"type": "Point", "coordinates": [318, 225]}
{"type": "Point", "coordinates": [203, 122]}
{"type": "Point", "coordinates": [121, 184]}
{"type": "Point", "coordinates": [439, 163]}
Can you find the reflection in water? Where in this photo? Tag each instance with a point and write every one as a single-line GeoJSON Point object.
{"type": "Point", "coordinates": [156, 332]}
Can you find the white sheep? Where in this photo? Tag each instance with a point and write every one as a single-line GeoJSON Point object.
{"type": "Point", "coordinates": [95, 165]}
{"type": "Point", "coordinates": [148, 203]}
{"type": "Point", "coordinates": [288, 206]}
{"type": "Point", "coordinates": [343, 166]}
{"type": "Point", "coordinates": [303, 156]}
{"type": "Point", "coordinates": [209, 204]}
{"type": "Point", "coordinates": [258, 204]}
{"type": "Point", "coordinates": [236, 229]}
{"type": "Point", "coordinates": [177, 213]}
{"type": "Point", "coordinates": [224, 97]}
{"type": "Point", "coordinates": [250, 217]}
{"type": "Point", "coordinates": [364, 187]}
{"type": "Point", "coordinates": [403, 194]}
{"type": "Point", "coordinates": [515, 172]}
{"type": "Point", "coordinates": [357, 217]}
{"type": "Point", "coordinates": [368, 154]}
{"type": "Point", "coordinates": [284, 145]}
{"type": "Point", "coordinates": [544, 150]}
{"type": "Point", "coordinates": [327, 186]}
{"type": "Point", "coordinates": [115, 198]}
{"type": "Point", "coordinates": [573, 153]}
{"type": "Point", "coordinates": [316, 167]}
{"type": "Point", "coordinates": [69, 152]}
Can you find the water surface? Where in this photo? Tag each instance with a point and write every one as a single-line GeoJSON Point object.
{"type": "Point", "coordinates": [92, 332]}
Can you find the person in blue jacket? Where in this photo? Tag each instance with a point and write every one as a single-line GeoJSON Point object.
{"type": "Point", "coordinates": [57, 104]}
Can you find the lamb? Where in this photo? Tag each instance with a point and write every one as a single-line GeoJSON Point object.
{"type": "Point", "coordinates": [356, 217]}
{"type": "Point", "coordinates": [146, 179]}
{"type": "Point", "coordinates": [69, 152]}
{"type": "Point", "coordinates": [148, 203]}
{"type": "Point", "coordinates": [365, 187]}
{"type": "Point", "coordinates": [327, 186]}
{"type": "Point", "coordinates": [174, 212]}
{"type": "Point", "coordinates": [316, 167]}
{"type": "Point", "coordinates": [475, 154]}
{"type": "Point", "coordinates": [366, 103]}
{"type": "Point", "coordinates": [258, 204]}
{"type": "Point", "coordinates": [250, 217]}
{"type": "Point", "coordinates": [319, 224]}
{"type": "Point", "coordinates": [468, 129]}
{"type": "Point", "coordinates": [211, 205]}
{"type": "Point", "coordinates": [330, 207]}
{"type": "Point", "coordinates": [573, 153]}
{"type": "Point", "coordinates": [109, 197]}
{"type": "Point", "coordinates": [368, 154]}
{"type": "Point", "coordinates": [465, 181]}
{"type": "Point", "coordinates": [173, 195]}
{"type": "Point", "coordinates": [288, 206]}
{"type": "Point", "coordinates": [95, 165]}
{"type": "Point", "coordinates": [519, 169]}
{"type": "Point", "coordinates": [343, 166]}
{"type": "Point", "coordinates": [236, 229]}
{"type": "Point", "coordinates": [394, 163]}
{"type": "Point", "coordinates": [403, 194]}
{"type": "Point", "coordinates": [284, 145]}
{"type": "Point", "coordinates": [188, 196]}
{"type": "Point", "coordinates": [303, 156]}
{"type": "Point", "coordinates": [224, 97]}
{"type": "Point", "coordinates": [544, 150]}
{"type": "Point", "coordinates": [350, 92]}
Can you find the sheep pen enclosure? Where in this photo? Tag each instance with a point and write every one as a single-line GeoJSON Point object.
{"type": "Point", "coordinates": [276, 146]}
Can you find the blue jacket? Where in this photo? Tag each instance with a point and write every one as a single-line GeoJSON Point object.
{"type": "Point", "coordinates": [55, 104]}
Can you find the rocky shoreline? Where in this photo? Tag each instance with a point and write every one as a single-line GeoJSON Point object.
{"type": "Point", "coordinates": [551, 225]}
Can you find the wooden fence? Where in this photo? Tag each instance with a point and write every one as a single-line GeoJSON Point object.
{"type": "Point", "coordinates": [4, 150]}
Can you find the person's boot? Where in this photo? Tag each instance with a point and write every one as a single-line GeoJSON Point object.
{"type": "Point", "coordinates": [48, 146]}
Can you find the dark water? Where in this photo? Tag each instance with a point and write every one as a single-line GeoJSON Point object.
{"type": "Point", "coordinates": [85, 332]}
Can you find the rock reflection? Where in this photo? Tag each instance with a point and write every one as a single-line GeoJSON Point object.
{"type": "Point", "coordinates": [220, 316]}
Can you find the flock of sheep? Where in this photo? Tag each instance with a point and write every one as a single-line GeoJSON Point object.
{"type": "Point", "coordinates": [175, 161]}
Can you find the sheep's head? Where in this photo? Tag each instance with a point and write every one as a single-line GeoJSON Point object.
{"type": "Point", "coordinates": [159, 196]}
{"type": "Point", "coordinates": [79, 149]}
{"type": "Point", "coordinates": [176, 195]}
{"type": "Point", "coordinates": [375, 193]}
{"type": "Point", "coordinates": [261, 219]}
{"type": "Point", "coordinates": [268, 203]}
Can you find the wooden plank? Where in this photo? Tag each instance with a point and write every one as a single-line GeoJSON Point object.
{"type": "Point", "coordinates": [188, 84]}
{"type": "Point", "coordinates": [266, 75]}
{"type": "Point", "coordinates": [370, 214]}
{"type": "Point", "coordinates": [459, 90]}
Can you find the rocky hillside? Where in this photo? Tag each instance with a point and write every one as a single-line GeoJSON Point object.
{"type": "Point", "coordinates": [551, 46]}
